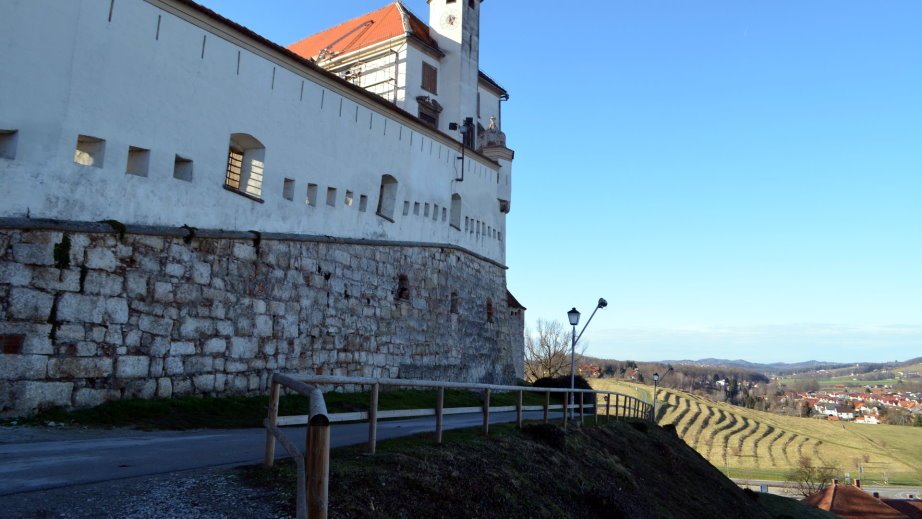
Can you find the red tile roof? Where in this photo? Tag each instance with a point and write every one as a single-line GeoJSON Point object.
{"type": "Point", "coordinates": [849, 502]}
{"type": "Point", "coordinates": [513, 302]}
{"type": "Point", "coordinates": [364, 31]}
{"type": "Point", "coordinates": [911, 508]}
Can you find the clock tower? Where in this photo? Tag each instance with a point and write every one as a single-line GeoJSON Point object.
{"type": "Point", "coordinates": [455, 25]}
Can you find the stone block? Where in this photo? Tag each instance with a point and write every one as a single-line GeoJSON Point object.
{"type": "Point", "coordinates": [85, 349]}
{"type": "Point", "coordinates": [176, 270]}
{"type": "Point", "coordinates": [56, 280]}
{"type": "Point", "coordinates": [37, 341]}
{"type": "Point", "coordinates": [83, 367]}
{"type": "Point", "coordinates": [203, 383]}
{"type": "Point", "coordinates": [101, 283]}
{"type": "Point", "coordinates": [201, 273]}
{"type": "Point", "coordinates": [193, 365]}
{"type": "Point", "coordinates": [225, 328]}
{"type": "Point", "coordinates": [23, 367]}
{"type": "Point", "coordinates": [173, 366]}
{"type": "Point", "coordinates": [194, 328]}
{"type": "Point", "coordinates": [15, 274]}
{"type": "Point", "coordinates": [233, 366]}
{"type": "Point", "coordinates": [163, 292]}
{"type": "Point", "coordinates": [215, 345]}
{"type": "Point", "coordinates": [243, 347]}
{"type": "Point", "coordinates": [99, 258]}
{"type": "Point", "coordinates": [136, 285]}
{"type": "Point", "coordinates": [244, 251]}
{"type": "Point", "coordinates": [155, 325]}
{"type": "Point", "coordinates": [164, 388]}
{"type": "Point", "coordinates": [182, 348]}
{"type": "Point", "coordinates": [143, 389]}
{"type": "Point", "coordinates": [132, 366]}
{"type": "Point", "coordinates": [92, 309]}
{"type": "Point", "coordinates": [156, 367]}
{"type": "Point", "coordinates": [159, 347]}
{"type": "Point", "coordinates": [88, 397]}
{"type": "Point", "coordinates": [220, 379]}
{"type": "Point", "coordinates": [34, 253]}
{"type": "Point", "coordinates": [70, 332]}
{"type": "Point", "coordinates": [153, 242]}
{"type": "Point", "coordinates": [30, 305]}
{"type": "Point", "coordinates": [29, 397]}
{"type": "Point", "coordinates": [262, 326]}
{"type": "Point", "coordinates": [182, 386]}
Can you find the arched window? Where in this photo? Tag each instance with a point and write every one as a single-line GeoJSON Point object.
{"type": "Point", "coordinates": [387, 197]}
{"type": "Point", "coordinates": [403, 288]}
{"type": "Point", "coordinates": [489, 310]}
{"type": "Point", "coordinates": [453, 304]}
{"type": "Point", "coordinates": [245, 163]}
{"type": "Point", "coordinates": [455, 211]}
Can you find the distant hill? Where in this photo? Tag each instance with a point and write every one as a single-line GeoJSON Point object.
{"type": "Point", "coordinates": [775, 367]}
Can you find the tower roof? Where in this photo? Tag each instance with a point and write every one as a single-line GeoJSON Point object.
{"type": "Point", "coordinates": [364, 31]}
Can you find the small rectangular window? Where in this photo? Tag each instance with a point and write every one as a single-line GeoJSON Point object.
{"type": "Point", "coordinates": [288, 189]}
{"type": "Point", "coordinates": [90, 151]}
{"type": "Point", "coordinates": [363, 203]}
{"type": "Point", "coordinates": [406, 207]}
{"type": "Point", "coordinates": [435, 212]}
{"type": "Point", "coordinates": [426, 210]}
{"type": "Point", "coordinates": [331, 196]}
{"type": "Point", "coordinates": [182, 168]}
{"type": "Point", "coordinates": [312, 195]}
{"type": "Point", "coordinates": [138, 161]}
{"type": "Point", "coordinates": [430, 78]}
{"type": "Point", "coordinates": [444, 214]}
{"type": "Point", "coordinates": [416, 208]}
{"type": "Point", "coordinates": [467, 223]}
{"type": "Point", "coordinates": [499, 236]}
{"type": "Point", "coordinates": [8, 143]}
{"type": "Point", "coordinates": [348, 199]}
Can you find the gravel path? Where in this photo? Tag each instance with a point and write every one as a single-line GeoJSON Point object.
{"type": "Point", "coordinates": [205, 494]}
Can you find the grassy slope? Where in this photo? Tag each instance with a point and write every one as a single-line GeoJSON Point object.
{"type": "Point", "coordinates": [892, 451]}
{"type": "Point", "coordinates": [618, 469]}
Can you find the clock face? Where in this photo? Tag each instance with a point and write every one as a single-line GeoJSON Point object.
{"type": "Point", "coordinates": [449, 19]}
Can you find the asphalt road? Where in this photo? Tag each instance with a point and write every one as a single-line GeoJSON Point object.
{"type": "Point", "coordinates": [27, 466]}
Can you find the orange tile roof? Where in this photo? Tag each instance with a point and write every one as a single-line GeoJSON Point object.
{"type": "Point", "coordinates": [911, 508]}
{"type": "Point", "coordinates": [849, 502]}
{"type": "Point", "coordinates": [364, 31]}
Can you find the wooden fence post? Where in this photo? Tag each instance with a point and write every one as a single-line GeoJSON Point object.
{"type": "Point", "coordinates": [274, 421]}
{"type": "Point", "coordinates": [566, 407]}
{"type": "Point", "coordinates": [486, 412]}
{"type": "Point", "coordinates": [547, 405]}
{"type": "Point", "coordinates": [439, 410]}
{"type": "Point", "coordinates": [518, 409]}
{"type": "Point", "coordinates": [373, 419]}
{"type": "Point", "coordinates": [607, 407]}
{"type": "Point", "coordinates": [581, 413]}
{"type": "Point", "coordinates": [317, 465]}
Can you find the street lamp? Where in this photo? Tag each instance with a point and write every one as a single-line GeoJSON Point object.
{"type": "Point", "coordinates": [573, 316]}
{"type": "Point", "coordinates": [655, 381]}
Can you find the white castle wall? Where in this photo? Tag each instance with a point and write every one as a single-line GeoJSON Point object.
{"type": "Point", "coordinates": [160, 77]}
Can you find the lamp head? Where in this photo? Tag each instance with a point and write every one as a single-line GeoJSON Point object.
{"type": "Point", "coordinates": [602, 303]}
{"type": "Point", "coordinates": [573, 316]}
{"type": "Point", "coordinates": [656, 377]}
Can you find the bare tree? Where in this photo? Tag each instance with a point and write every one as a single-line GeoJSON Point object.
{"type": "Point", "coordinates": [810, 479]}
{"type": "Point", "coordinates": [547, 352]}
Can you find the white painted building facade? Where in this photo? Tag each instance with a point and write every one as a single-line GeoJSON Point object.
{"type": "Point", "coordinates": [128, 109]}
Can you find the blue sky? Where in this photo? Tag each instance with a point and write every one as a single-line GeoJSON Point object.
{"type": "Point", "coordinates": [739, 179]}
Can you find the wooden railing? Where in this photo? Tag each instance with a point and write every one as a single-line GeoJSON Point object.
{"type": "Point", "coordinates": [313, 464]}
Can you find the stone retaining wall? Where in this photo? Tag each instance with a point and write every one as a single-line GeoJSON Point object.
{"type": "Point", "coordinates": [88, 315]}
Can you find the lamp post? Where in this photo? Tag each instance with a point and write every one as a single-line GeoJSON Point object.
{"type": "Point", "coordinates": [655, 381]}
{"type": "Point", "coordinates": [573, 316]}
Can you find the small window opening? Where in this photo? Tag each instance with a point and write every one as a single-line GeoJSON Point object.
{"type": "Point", "coordinates": [11, 344]}
{"type": "Point", "coordinates": [435, 212]}
{"type": "Point", "coordinates": [363, 203]}
{"type": "Point", "coordinates": [311, 195]}
{"type": "Point", "coordinates": [472, 4]}
{"type": "Point", "coordinates": [331, 196]}
{"type": "Point", "coordinates": [387, 197]}
{"type": "Point", "coordinates": [416, 208]}
{"type": "Point", "coordinates": [403, 287]}
{"type": "Point", "coordinates": [499, 236]}
{"type": "Point", "coordinates": [489, 310]}
{"type": "Point", "coordinates": [406, 207]}
{"type": "Point", "coordinates": [288, 189]}
{"type": "Point", "coordinates": [90, 151]}
{"type": "Point", "coordinates": [456, 212]}
{"type": "Point", "coordinates": [9, 139]}
{"type": "Point", "coordinates": [453, 304]}
{"type": "Point", "coordinates": [348, 199]}
{"type": "Point", "coordinates": [466, 223]}
{"type": "Point", "coordinates": [426, 210]}
{"type": "Point", "coordinates": [444, 214]}
{"type": "Point", "coordinates": [245, 164]}
{"type": "Point", "coordinates": [182, 168]}
{"type": "Point", "coordinates": [138, 161]}
{"type": "Point", "coordinates": [430, 79]}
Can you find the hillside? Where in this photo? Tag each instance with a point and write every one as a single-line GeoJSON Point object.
{"type": "Point", "coordinates": [754, 444]}
{"type": "Point", "coordinates": [613, 470]}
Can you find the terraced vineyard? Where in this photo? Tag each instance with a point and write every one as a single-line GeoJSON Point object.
{"type": "Point", "coordinates": [755, 444]}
